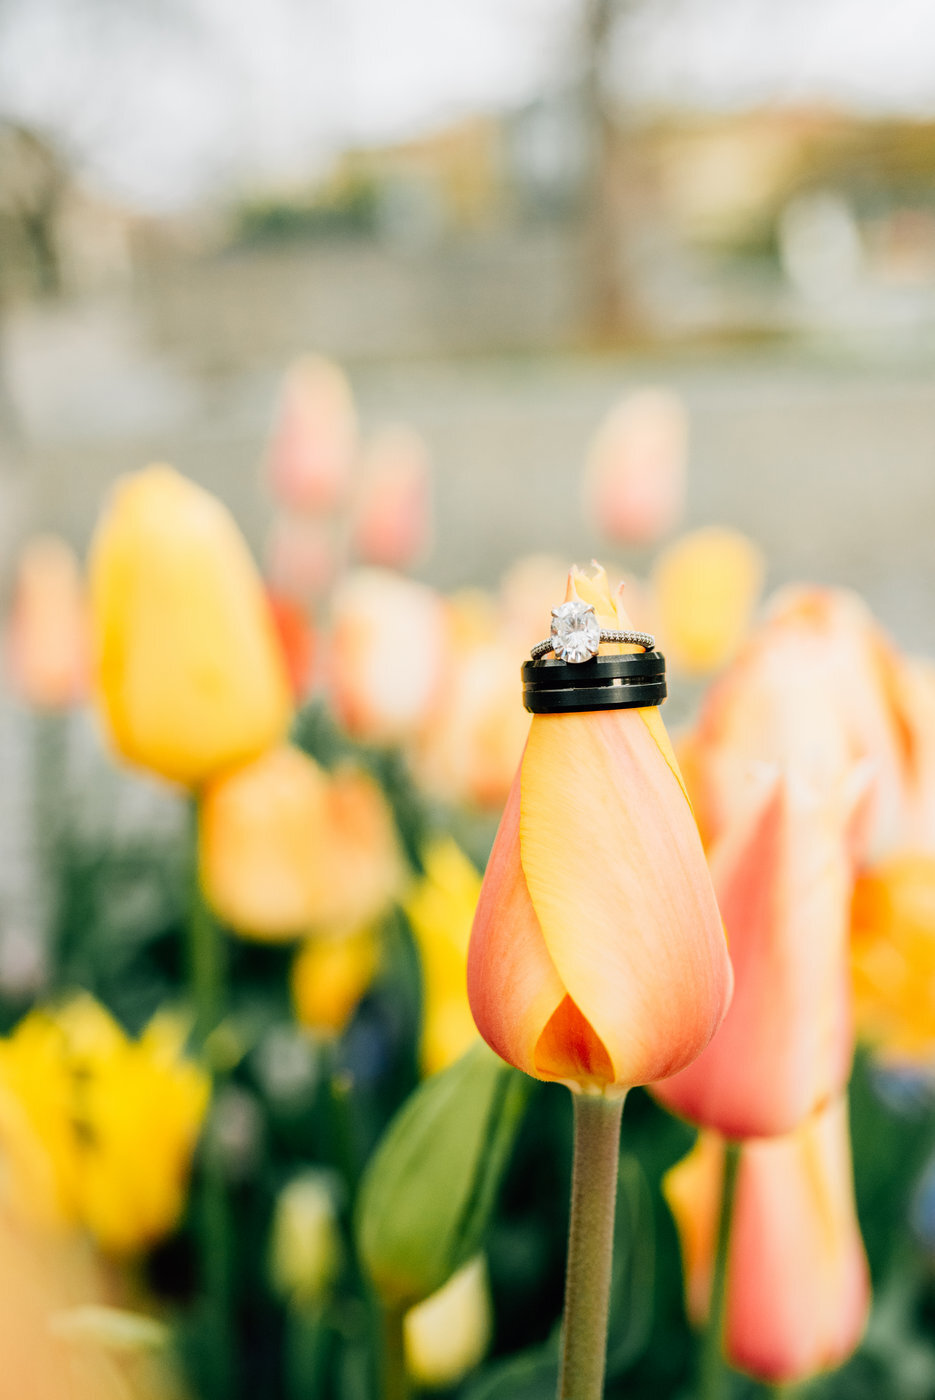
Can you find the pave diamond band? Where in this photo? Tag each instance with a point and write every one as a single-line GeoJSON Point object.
{"type": "Point", "coordinates": [641, 639]}
{"type": "Point", "coordinates": [576, 635]}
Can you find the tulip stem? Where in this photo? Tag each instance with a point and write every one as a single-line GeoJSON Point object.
{"type": "Point", "coordinates": [395, 1377]}
{"type": "Point", "coordinates": [590, 1246]}
{"type": "Point", "coordinates": [712, 1375]}
{"type": "Point", "coordinates": [214, 1227]}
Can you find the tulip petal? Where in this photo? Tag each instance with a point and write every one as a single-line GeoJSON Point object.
{"type": "Point", "coordinates": [785, 1044]}
{"type": "Point", "coordinates": [618, 882]}
{"type": "Point", "coordinates": [800, 1291]}
{"type": "Point", "coordinates": [513, 987]}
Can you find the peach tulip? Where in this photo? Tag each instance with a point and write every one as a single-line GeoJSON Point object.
{"type": "Point", "coordinates": [260, 844]}
{"type": "Point", "coordinates": [914, 681]}
{"type": "Point", "coordinates": [783, 879]}
{"type": "Point", "coordinates": [285, 848]}
{"type": "Point", "coordinates": [597, 956]}
{"type": "Point", "coordinates": [808, 691]}
{"type": "Point", "coordinates": [706, 586]}
{"type": "Point", "coordinates": [47, 641]}
{"type": "Point", "coordinates": [797, 1281]}
{"type": "Point", "coordinates": [635, 477]}
{"type": "Point", "coordinates": [314, 440]}
{"type": "Point", "coordinates": [392, 522]}
{"type": "Point", "coordinates": [469, 749]}
{"type": "Point", "coordinates": [388, 655]}
{"type": "Point", "coordinates": [190, 674]}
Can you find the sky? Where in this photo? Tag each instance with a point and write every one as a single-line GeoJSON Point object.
{"type": "Point", "coordinates": [167, 103]}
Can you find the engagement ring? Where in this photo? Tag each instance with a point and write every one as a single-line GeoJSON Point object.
{"type": "Point", "coordinates": [576, 634]}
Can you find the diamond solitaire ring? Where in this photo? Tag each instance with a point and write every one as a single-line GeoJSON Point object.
{"type": "Point", "coordinates": [576, 634]}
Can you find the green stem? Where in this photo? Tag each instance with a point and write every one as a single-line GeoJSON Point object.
{"type": "Point", "coordinates": [712, 1378]}
{"type": "Point", "coordinates": [307, 1343]}
{"type": "Point", "coordinates": [395, 1377]}
{"type": "Point", "coordinates": [590, 1247]}
{"type": "Point", "coordinates": [207, 968]}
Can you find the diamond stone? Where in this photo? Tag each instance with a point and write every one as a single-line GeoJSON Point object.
{"type": "Point", "coordinates": [576, 635]}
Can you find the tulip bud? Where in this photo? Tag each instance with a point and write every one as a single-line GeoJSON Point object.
{"type": "Point", "coordinates": [47, 642]}
{"type": "Point", "coordinates": [597, 956]}
{"type": "Point", "coordinates": [797, 1282]}
{"type": "Point", "coordinates": [330, 976]}
{"type": "Point", "coordinates": [306, 1253]}
{"type": "Point", "coordinates": [314, 440]}
{"type": "Point", "coordinates": [392, 525]}
{"type": "Point", "coordinates": [706, 585]}
{"type": "Point", "coordinates": [430, 1187]}
{"type": "Point", "coordinates": [635, 481]}
{"type": "Point", "coordinates": [190, 674]}
{"type": "Point", "coordinates": [448, 1333]}
{"type": "Point", "coordinates": [301, 558]}
{"type": "Point", "coordinates": [388, 658]}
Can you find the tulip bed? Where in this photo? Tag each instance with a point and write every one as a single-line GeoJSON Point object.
{"type": "Point", "coordinates": [252, 1143]}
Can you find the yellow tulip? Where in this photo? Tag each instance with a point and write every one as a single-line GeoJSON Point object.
{"type": "Point", "coordinates": [306, 1251]}
{"type": "Point", "coordinates": [440, 910]}
{"type": "Point", "coordinates": [190, 675]}
{"type": "Point", "coordinates": [448, 1333]}
{"type": "Point", "coordinates": [893, 957]}
{"type": "Point", "coordinates": [330, 975]}
{"type": "Point", "coordinates": [706, 585]}
{"type": "Point", "coordinates": [99, 1129]}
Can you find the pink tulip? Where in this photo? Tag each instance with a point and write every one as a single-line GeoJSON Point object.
{"type": "Point", "coordinates": [783, 878]}
{"type": "Point", "coordinates": [48, 637]}
{"type": "Point", "coordinates": [389, 655]}
{"type": "Point", "coordinates": [392, 525]}
{"type": "Point", "coordinates": [314, 439]}
{"type": "Point", "coordinates": [302, 557]}
{"type": "Point", "coordinates": [798, 1284]}
{"type": "Point", "coordinates": [635, 478]}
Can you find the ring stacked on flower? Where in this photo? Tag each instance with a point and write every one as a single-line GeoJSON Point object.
{"type": "Point", "coordinates": [597, 957]}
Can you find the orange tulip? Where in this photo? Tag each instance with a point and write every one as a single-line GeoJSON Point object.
{"type": "Point", "coordinates": [798, 1286]}
{"type": "Point", "coordinates": [392, 525]}
{"type": "Point", "coordinates": [388, 655]}
{"type": "Point", "coordinates": [597, 956]}
{"type": "Point", "coordinates": [47, 642]}
{"type": "Point", "coordinates": [635, 480]}
{"type": "Point", "coordinates": [190, 674]}
{"type": "Point", "coordinates": [783, 879]}
{"type": "Point", "coordinates": [314, 440]}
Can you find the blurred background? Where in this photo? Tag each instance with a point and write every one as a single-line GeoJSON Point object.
{"type": "Point", "coordinates": [497, 217]}
{"type": "Point", "coordinates": [673, 259]}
